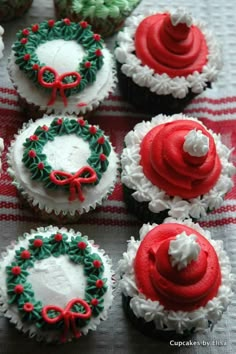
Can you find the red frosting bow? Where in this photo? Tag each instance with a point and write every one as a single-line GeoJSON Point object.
{"type": "Point", "coordinates": [74, 181]}
{"type": "Point", "coordinates": [67, 316]}
{"type": "Point", "coordinates": [58, 83]}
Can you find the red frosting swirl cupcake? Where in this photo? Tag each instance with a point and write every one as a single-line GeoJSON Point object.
{"type": "Point", "coordinates": [173, 159]}
{"type": "Point", "coordinates": [164, 60]}
{"type": "Point", "coordinates": [178, 267]}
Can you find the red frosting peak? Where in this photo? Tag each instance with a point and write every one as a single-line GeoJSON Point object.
{"type": "Point", "coordinates": [168, 166]}
{"type": "Point", "coordinates": [175, 49]}
{"type": "Point", "coordinates": [186, 289]}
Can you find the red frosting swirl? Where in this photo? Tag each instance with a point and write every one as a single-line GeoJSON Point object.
{"type": "Point", "coordinates": [169, 167]}
{"type": "Point", "coordinates": [186, 289]}
{"type": "Point", "coordinates": [175, 50]}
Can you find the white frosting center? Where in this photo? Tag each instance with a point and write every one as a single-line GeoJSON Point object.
{"type": "Point", "coordinates": [181, 15]}
{"type": "Point", "coordinates": [183, 250]}
{"type": "Point", "coordinates": [68, 153]}
{"type": "Point", "coordinates": [57, 280]}
{"type": "Point", "coordinates": [57, 54]}
{"type": "Point", "coordinates": [196, 143]}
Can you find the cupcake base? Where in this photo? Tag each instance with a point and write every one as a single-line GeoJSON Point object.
{"type": "Point", "coordinates": [14, 10]}
{"type": "Point", "coordinates": [148, 328]}
{"type": "Point", "coordinates": [148, 102]}
{"type": "Point", "coordinates": [140, 209]}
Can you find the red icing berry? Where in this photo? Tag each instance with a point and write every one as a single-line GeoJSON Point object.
{"type": "Point", "coordinates": [19, 289]}
{"type": "Point", "coordinates": [25, 254]}
{"type": "Point", "coordinates": [87, 64]}
{"type": "Point", "coordinates": [38, 243]}
{"type": "Point", "coordinates": [28, 307]}
{"type": "Point", "coordinates": [59, 121]}
{"type": "Point", "coordinates": [51, 23]}
{"type": "Point", "coordinates": [94, 302]}
{"type": "Point", "coordinates": [24, 40]}
{"type": "Point", "coordinates": [82, 245]}
{"type": "Point", "coordinates": [98, 52]}
{"type": "Point", "coordinates": [25, 32]}
{"type": "Point", "coordinates": [67, 21]}
{"type": "Point", "coordinates": [102, 157]}
{"type": "Point", "coordinates": [32, 154]}
{"type": "Point", "coordinates": [35, 28]}
{"type": "Point", "coordinates": [84, 24]}
{"type": "Point", "coordinates": [45, 128]}
{"type": "Point", "coordinates": [27, 57]}
{"type": "Point", "coordinates": [34, 138]}
{"type": "Point", "coordinates": [92, 129]}
{"type": "Point", "coordinates": [101, 140]}
{"type": "Point", "coordinates": [81, 122]}
{"type": "Point", "coordinates": [97, 263]}
{"type": "Point", "coordinates": [40, 165]}
{"type": "Point", "coordinates": [99, 283]}
{"type": "Point", "coordinates": [96, 37]}
{"type": "Point", "coordinates": [35, 67]}
{"type": "Point", "coordinates": [58, 237]}
{"type": "Point", "coordinates": [16, 270]}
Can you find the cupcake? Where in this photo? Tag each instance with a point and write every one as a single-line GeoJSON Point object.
{"type": "Point", "coordinates": [1, 42]}
{"type": "Point", "coordinates": [56, 284]}
{"type": "Point", "coordinates": [63, 167]}
{"type": "Point", "coordinates": [176, 280]}
{"type": "Point", "coordinates": [12, 9]}
{"type": "Point", "coordinates": [164, 60]}
{"type": "Point", "coordinates": [174, 165]}
{"type": "Point", "coordinates": [1, 150]}
{"type": "Point", "coordinates": [106, 16]}
{"type": "Point", "coordinates": [60, 67]}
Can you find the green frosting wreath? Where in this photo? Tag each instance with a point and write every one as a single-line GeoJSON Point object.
{"type": "Point", "coordinates": [46, 77]}
{"type": "Point", "coordinates": [36, 162]}
{"type": "Point", "coordinates": [20, 291]}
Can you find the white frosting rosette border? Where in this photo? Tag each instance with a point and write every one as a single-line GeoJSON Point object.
{"type": "Point", "coordinates": [158, 200]}
{"type": "Point", "coordinates": [163, 84]}
{"type": "Point", "coordinates": [11, 311]}
{"type": "Point", "coordinates": [168, 320]}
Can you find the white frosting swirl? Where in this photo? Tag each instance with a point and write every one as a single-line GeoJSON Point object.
{"type": "Point", "coordinates": [177, 320]}
{"type": "Point", "coordinates": [196, 143]}
{"type": "Point", "coordinates": [181, 15]}
{"type": "Point", "coordinates": [134, 178]}
{"type": "Point", "coordinates": [162, 84]}
{"type": "Point", "coordinates": [183, 250]}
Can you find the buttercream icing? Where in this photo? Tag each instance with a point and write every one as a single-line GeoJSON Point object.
{"type": "Point", "coordinates": [52, 279]}
{"type": "Point", "coordinates": [135, 178]}
{"type": "Point", "coordinates": [152, 309]}
{"type": "Point", "coordinates": [141, 66]}
{"type": "Point", "coordinates": [196, 143]}
{"type": "Point", "coordinates": [75, 154]}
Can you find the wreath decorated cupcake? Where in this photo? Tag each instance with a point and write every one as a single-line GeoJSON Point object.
{"type": "Point", "coordinates": [164, 60]}
{"type": "Point", "coordinates": [60, 67]}
{"type": "Point", "coordinates": [174, 166]}
{"type": "Point", "coordinates": [63, 167]}
{"type": "Point", "coordinates": [175, 280]}
{"type": "Point", "coordinates": [12, 9]}
{"type": "Point", "coordinates": [56, 285]}
{"type": "Point", "coordinates": [106, 17]}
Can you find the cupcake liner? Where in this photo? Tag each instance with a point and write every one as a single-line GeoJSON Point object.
{"type": "Point", "coordinates": [140, 209]}
{"type": "Point", "coordinates": [148, 102]}
{"type": "Point", "coordinates": [47, 213]}
{"type": "Point", "coordinates": [12, 9]}
{"type": "Point", "coordinates": [149, 329]}
{"type": "Point", "coordinates": [11, 312]}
